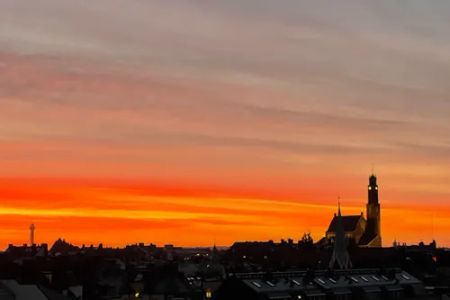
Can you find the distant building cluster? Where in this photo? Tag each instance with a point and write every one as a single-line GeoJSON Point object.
{"type": "Point", "coordinates": [347, 264]}
{"type": "Point", "coordinates": [248, 270]}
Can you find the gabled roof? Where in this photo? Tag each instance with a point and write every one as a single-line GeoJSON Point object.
{"type": "Point", "coordinates": [349, 223]}
{"type": "Point", "coordinates": [367, 237]}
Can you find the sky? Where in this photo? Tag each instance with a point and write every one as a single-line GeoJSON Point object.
{"type": "Point", "coordinates": [197, 122]}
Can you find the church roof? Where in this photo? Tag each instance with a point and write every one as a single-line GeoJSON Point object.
{"type": "Point", "coordinates": [368, 236]}
{"type": "Point", "coordinates": [349, 223]}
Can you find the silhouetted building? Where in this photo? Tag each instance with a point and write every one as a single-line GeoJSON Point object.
{"type": "Point", "coordinates": [340, 254]}
{"type": "Point", "coordinates": [322, 285]}
{"type": "Point", "coordinates": [32, 228]}
{"type": "Point", "coordinates": [362, 232]}
{"type": "Point", "coordinates": [259, 270]}
{"type": "Point", "coordinates": [61, 247]}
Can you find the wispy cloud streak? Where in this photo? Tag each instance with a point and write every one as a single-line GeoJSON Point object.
{"type": "Point", "coordinates": [285, 101]}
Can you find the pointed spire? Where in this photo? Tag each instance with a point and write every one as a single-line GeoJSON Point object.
{"type": "Point", "coordinates": [214, 254]}
{"type": "Point", "coordinates": [340, 254]}
{"type": "Point", "coordinates": [339, 206]}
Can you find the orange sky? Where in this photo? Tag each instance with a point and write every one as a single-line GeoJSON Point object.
{"type": "Point", "coordinates": [120, 212]}
{"type": "Point", "coordinates": [120, 124]}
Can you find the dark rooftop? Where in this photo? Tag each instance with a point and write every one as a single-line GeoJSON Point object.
{"type": "Point", "coordinates": [349, 223]}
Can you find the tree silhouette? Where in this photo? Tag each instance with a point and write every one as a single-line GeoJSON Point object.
{"type": "Point", "coordinates": [306, 241]}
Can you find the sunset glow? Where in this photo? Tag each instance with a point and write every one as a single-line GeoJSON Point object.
{"type": "Point", "coordinates": [125, 126]}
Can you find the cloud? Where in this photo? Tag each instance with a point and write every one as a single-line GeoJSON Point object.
{"type": "Point", "coordinates": [266, 99]}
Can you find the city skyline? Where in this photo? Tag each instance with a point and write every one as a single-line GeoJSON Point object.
{"type": "Point", "coordinates": [245, 125]}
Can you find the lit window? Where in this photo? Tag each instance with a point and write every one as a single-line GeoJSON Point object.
{"type": "Point", "coordinates": [208, 294]}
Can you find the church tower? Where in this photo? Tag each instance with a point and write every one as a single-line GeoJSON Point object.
{"type": "Point", "coordinates": [373, 213]}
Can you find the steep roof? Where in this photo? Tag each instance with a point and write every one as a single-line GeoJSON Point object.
{"type": "Point", "coordinates": [349, 223]}
{"type": "Point", "coordinates": [369, 235]}
{"type": "Point", "coordinates": [366, 238]}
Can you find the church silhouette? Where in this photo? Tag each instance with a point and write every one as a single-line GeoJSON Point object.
{"type": "Point", "coordinates": [358, 230]}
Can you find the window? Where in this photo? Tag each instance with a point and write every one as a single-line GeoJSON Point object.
{"type": "Point", "coordinates": [406, 277]}
{"type": "Point", "coordinates": [295, 282]}
{"type": "Point", "coordinates": [332, 280]}
{"type": "Point", "coordinates": [354, 279]}
{"type": "Point", "coordinates": [256, 284]}
{"type": "Point", "coordinates": [375, 278]}
{"type": "Point", "coordinates": [364, 278]}
{"type": "Point", "coordinates": [270, 284]}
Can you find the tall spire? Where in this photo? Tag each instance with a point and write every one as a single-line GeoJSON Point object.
{"type": "Point", "coordinates": [339, 206]}
{"type": "Point", "coordinates": [32, 234]}
{"type": "Point", "coordinates": [340, 253]}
